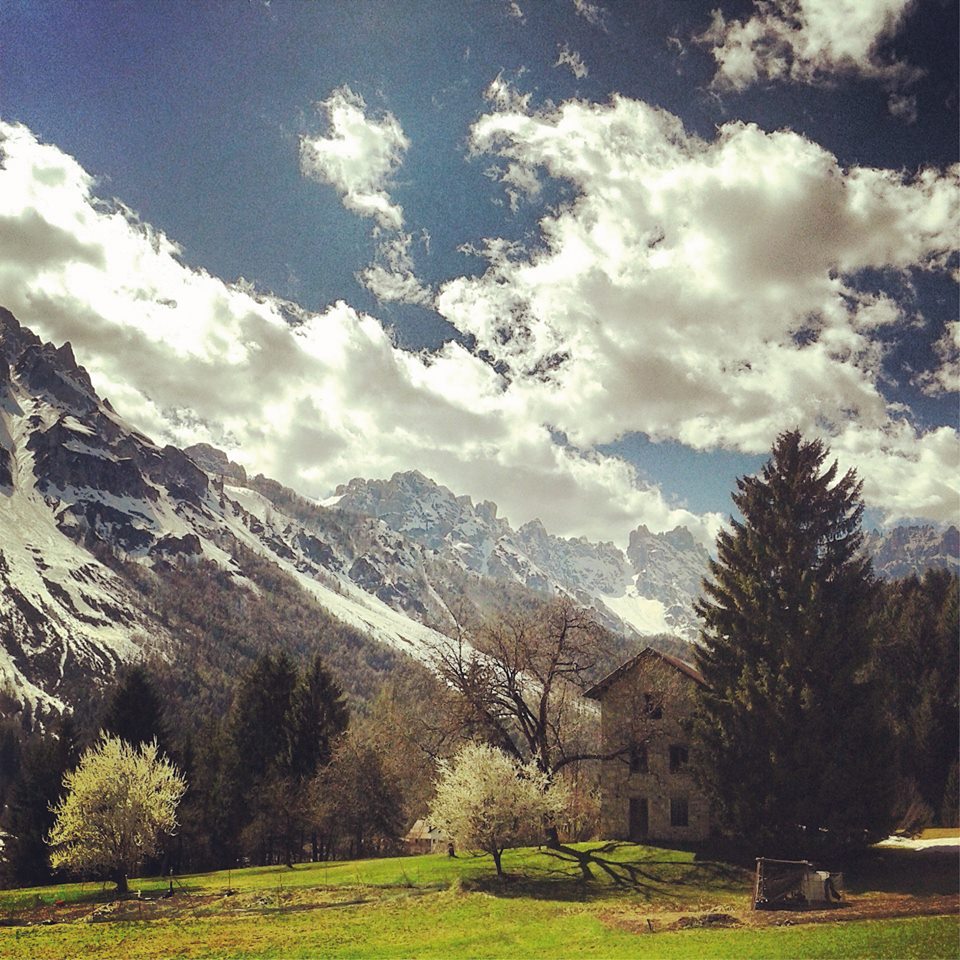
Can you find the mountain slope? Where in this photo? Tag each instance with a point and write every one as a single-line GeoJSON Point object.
{"type": "Point", "coordinates": [104, 534]}
{"type": "Point", "coordinates": [83, 496]}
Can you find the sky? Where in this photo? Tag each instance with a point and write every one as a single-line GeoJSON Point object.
{"type": "Point", "coordinates": [584, 259]}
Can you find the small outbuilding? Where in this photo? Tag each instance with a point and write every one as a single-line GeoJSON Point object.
{"type": "Point", "coordinates": [423, 837]}
{"type": "Point", "coordinates": [794, 884]}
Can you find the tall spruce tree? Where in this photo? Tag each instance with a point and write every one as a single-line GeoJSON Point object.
{"type": "Point", "coordinates": [793, 745]}
{"type": "Point", "coordinates": [317, 715]}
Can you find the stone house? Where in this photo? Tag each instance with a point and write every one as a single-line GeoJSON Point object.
{"type": "Point", "coordinates": [647, 789]}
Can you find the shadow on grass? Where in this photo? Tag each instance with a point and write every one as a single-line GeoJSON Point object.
{"type": "Point", "coordinates": [610, 870]}
{"type": "Point", "coordinates": [913, 872]}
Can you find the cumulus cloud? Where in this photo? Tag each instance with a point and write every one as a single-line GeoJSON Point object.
{"type": "Point", "coordinates": [572, 59]}
{"type": "Point", "coordinates": [357, 155]}
{"type": "Point", "coordinates": [312, 399]}
{"type": "Point", "coordinates": [810, 41]}
{"type": "Point", "coordinates": [713, 292]}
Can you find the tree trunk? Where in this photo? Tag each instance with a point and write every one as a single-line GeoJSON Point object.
{"type": "Point", "coordinates": [496, 862]}
{"type": "Point", "coordinates": [120, 878]}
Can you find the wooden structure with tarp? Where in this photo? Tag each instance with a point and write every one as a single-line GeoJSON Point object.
{"type": "Point", "coordinates": [794, 885]}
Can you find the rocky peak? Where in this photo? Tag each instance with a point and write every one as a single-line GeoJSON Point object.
{"type": "Point", "coordinates": [487, 510]}
{"type": "Point", "coordinates": [215, 462]}
{"type": "Point", "coordinates": [905, 550]}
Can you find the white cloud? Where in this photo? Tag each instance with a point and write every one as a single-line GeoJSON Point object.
{"type": "Point", "coordinates": [572, 59]}
{"type": "Point", "coordinates": [504, 95]}
{"type": "Point", "coordinates": [593, 13]}
{"type": "Point", "coordinates": [903, 106]}
{"type": "Point", "coordinates": [357, 156]}
{"type": "Point", "coordinates": [945, 378]}
{"type": "Point", "coordinates": [706, 291]}
{"type": "Point", "coordinates": [710, 292]}
{"type": "Point", "coordinates": [312, 399]}
{"type": "Point", "coordinates": [809, 41]}
{"type": "Point", "coordinates": [392, 277]}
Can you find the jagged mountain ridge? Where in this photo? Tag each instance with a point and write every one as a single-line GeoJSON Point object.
{"type": "Point", "coordinates": [649, 589]}
{"type": "Point", "coordinates": [79, 485]}
{"type": "Point", "coordinates": [912, 550]}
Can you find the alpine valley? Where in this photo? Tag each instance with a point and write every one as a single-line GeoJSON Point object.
{"type": "Point", "coordinates": [115, 549]}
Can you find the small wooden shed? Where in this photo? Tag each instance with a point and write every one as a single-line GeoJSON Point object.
{"type": "Point", "coordinates": [794, 884]}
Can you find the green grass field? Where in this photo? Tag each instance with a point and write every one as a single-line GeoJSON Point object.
{"type": "Point", "coordinates": [434, 906]}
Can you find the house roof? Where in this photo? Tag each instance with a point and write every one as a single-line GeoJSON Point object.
{"type": "Point", "coordinates": [600, 688]}
{"type": "Point", "coordinates": [422, 830]}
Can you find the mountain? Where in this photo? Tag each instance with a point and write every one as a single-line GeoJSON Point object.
{"type": "Point", "coordinates": [912, 550]}
{"type": "Point", "coordinates": [647, 590]}
{"type": "Point", "coordinates": [114, 548]}
{"type": "Point", "coordinates": [96, 522]}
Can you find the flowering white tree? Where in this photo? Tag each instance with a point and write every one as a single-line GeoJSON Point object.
{"type": "Point", "coordinates": [118, 801]}
{"type": "Point", "coordinates": [488, 801]}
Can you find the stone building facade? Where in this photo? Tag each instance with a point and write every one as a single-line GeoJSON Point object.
{"type": "Point", "coordinates": [648, 791]}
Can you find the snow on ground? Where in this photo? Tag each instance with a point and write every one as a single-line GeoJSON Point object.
{"type": "Point", "coordinates": [54, 576]}
{"type": "Point", "coordinates": [644, 614]}
{"type": "Point", "coordinates": [920, 843]}
{"type": "Point", "coordinates": [343, 599]}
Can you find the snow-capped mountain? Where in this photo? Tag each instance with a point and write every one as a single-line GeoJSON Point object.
{"type": "Point", "coordinates": [91, 509]}
{"type": "Point", "coordinates": [905, 550]}
{"type": "Point", "coordinates": [647, 590]}
{"type": "Point", "coordinates": [79, 487]}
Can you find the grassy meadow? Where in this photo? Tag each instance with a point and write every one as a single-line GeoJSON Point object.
{"type": "Point", "coordinates": [638, 902]}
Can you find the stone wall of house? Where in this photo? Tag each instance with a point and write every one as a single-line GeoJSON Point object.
{"type": "Point", "coordinates": [629, 719]}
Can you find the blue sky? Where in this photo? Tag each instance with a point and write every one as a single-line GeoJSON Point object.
{"type": "Point", "coordinates": [584, 259]}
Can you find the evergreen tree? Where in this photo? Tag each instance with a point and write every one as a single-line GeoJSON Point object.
{"type": "Point", "coordinates": [917, 662]}
{"type": "Point", "coordinates": [134, 711]}
{"type": "Point", "coordinates": [28, 816]}
{"type": "Point", "coordinates": [11, 749]}
{"type": "Point", "coordinates": [258, 718]}
{"type": "Point", "coordinates": [318, 714]}
{"type": "Point", "coordinates": [255, 747]}
{"type": "Point", "coordinates": [793, 746]}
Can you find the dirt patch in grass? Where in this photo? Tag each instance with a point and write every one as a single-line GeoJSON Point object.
{"type": "Point", "coordinates": [872, 907]}
{"type": "Point", "coordinates": [184, 905]}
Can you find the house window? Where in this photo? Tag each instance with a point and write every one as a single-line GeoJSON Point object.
{"type": "Point", "coordinates": [679, 812]}
{"type": "Point", "coordinates": [652, 706]}
{"type": "Point", "coordinates": [638, 758]}
{"type": "Point", "coordinates": [679, 757]}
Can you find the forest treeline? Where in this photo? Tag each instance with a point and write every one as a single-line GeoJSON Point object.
{"type": "Point", "coordinates": [300, 738]}
{"type": "Point", "coordinates": [287, 767]}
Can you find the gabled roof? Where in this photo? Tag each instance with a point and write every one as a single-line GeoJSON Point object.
{"type": "Point", "coordinates": [600, 688]}
{"type": "Point", "coordinates": [422, 830]}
